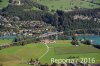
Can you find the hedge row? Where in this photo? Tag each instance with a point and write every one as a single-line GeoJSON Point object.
{"type": "Point", "coordinates": [19, 43]}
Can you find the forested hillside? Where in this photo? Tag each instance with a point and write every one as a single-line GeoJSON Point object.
{"type": "Point", "coordinates": [75, 21]}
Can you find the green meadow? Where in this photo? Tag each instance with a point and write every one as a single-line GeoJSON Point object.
{"type": "Point", "coordinates": [67, 4]}
{"type": "Point", "coordinates": [62, 49]}
{"type": "Point", "coordinates": [60, 4]}
{"type": "Point", "coordinates": [5, 41]}
{"type": "Point", "coordinates": [4, 3]}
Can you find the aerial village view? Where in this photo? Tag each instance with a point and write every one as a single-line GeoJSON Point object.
{"type": "Point", "coordinates": [49, 32]}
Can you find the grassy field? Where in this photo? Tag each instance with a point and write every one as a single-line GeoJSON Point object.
{"type": "Point", "coordinates": [5, 41]}
{"type": "Point", "coordinates": [60, 4]}
{"type": "Point", "coordinates": [4, 3]}
{"type": "Point", "coordinates": [66, 4]}
{"type": "Point", "coordinates": [75, 50]}
{"type": "Point", "coordinates": [19, 55]}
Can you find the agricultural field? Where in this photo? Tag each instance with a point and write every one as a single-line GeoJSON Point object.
{"type": "Point", "coordinates": [67, 4]}
{"type": "Point", "coordinates": [62, 49]}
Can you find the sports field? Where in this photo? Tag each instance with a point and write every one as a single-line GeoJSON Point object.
{"type": "Point", "coordinates": [62, 49]}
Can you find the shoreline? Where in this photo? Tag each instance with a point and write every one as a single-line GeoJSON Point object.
{"type": "Point", "coordinates": [86, 35]}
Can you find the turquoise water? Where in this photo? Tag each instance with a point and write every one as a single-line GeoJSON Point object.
{"type": "Point", "coordinates": [95, 39]}
{"type": "Point", "coordinates": [7, 37]}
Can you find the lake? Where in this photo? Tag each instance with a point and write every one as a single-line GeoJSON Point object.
{"type": "Point", "coordinates": [95, 39]}
{"type": "Point", "coordinates": [7, 37]}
